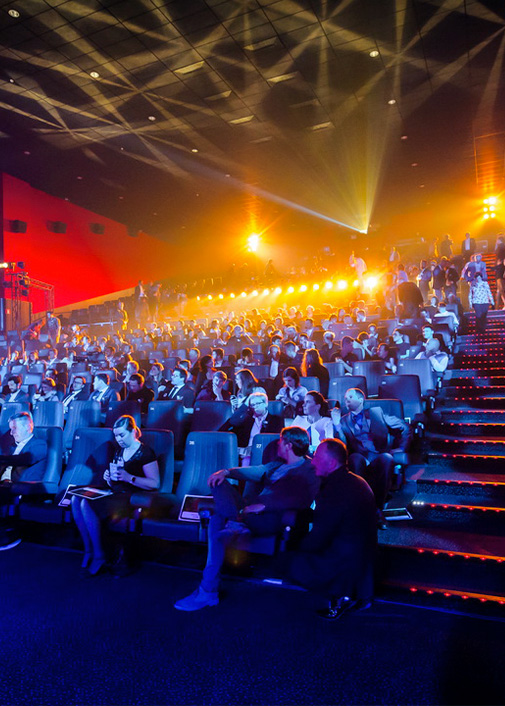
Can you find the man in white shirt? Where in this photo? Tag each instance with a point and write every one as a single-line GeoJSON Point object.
{"type": "Point", "coordinates": [15, 393]}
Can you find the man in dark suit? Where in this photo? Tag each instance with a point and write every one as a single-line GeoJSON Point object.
{"type": "Point", "coordinates": [179, 390]}
{"type": "Point", "coordinates": [288, 483]}
{"type": "Point", "coordinates": [257, 421]}
{"type": "Point", "coordinates": [25, 460]}
{"type": "Point", "coordinates": [103, 392]}
{"type": "Point", "coordinates": [138, 392]}
{"type": "Point", "coordinates": [370, 436]}
{"type": "Point", "coordinates": [77, 392]}
{"type": "Point", "coordinates": [336, 557]}
{"type": "Point", "coordinates": [15, 393]}
{"type": "Point", "coordinates": [468, 247]}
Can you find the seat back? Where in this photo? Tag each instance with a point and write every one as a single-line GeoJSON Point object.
{"type": "Point", "coordinates": [91, 452]}
{"type": "Point", "coordinates": [32, 378]}
{"type": "Point", "coordinates": [406, 388]}
{"type": "Point", "coordinates": [259, 371]}
{"type": "Point", "coordinates": [117, 408]}
{"type": "Point", "coordinates": [81, 413]}
{"type": "Point", "coordinates": [422, 368]}
{"type": "Point", "coordinates": [276, 408]}
{"type": "Point", "coordinates": [48, 414]}
{"type": "Point", "coordinates": [261, 441]}
{"type": "Point", "coordinates": [372, 370]}
{"type": "Point", "coordinates": [162, 443]}
{"type": "Point", "coordinates": [8, 409]}
{"type": "Point", "coordinates": [335, 369]}
{"type": "Point", "coordinates": [340, 385]}
{"type": "Point", "coordinates": [170, 415]}
{"type": "Point", "coordinates": [310, 383]}
{"type": "Point", "coordinates": [393, 407]}
{"type": "Point", "coordinates": [206, 452]}
{"type": "Point", "coordinates": [52, 472]}
{"type": "Point", "coordinates": [209, 415]}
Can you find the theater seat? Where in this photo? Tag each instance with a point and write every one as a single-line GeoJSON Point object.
{"type": "Point", "coordinates": [48, 485]}
{"type": "Point", "coordinates": [388, 406]}
{"type": "Point", "coordinates": [170, 414]}
{"type": "Point", "coordinates": [276, 408]}
{"type": "Point", "coordinates": [81, 413]}
{"type": "Point", "coordinates": [8, 410]}
{"type": "Point", "coordinates": [209, 415]}
{"type": "Point", "coordinates": [335, 369]}
{"type": "Point", "coordinates": [406, 388]}
{"type": "Point", "coordinates": [206, 453]}
{"type": "Point", "coordinates": [310, 383]}
{"type": "Point", "coordinates": [48, 414]}
{"type": "Point", "coordinates": [117, 408]}
{"type": "Point", "coordinates": [372, 370]}
{"type": "Point", "coordinates": [340, 385]}
{"type": "Point", "coordinates": [422, 368]}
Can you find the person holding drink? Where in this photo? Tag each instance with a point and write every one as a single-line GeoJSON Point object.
{"type": "Point", "coordinates": [134, 467]}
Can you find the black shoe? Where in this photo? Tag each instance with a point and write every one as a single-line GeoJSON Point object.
{"type": "Point", "coordinates": [8, 539]}
{"type": "Point", "coordinates": [337, 608]}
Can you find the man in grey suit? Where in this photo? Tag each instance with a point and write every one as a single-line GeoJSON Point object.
{"type": "Point", "coordinates": [25, 460]}
{"type": "Point", "coordinates": [370, 435]}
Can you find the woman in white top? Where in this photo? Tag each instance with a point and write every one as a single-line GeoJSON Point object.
{"type": "Point", "coordinates": [319, 427]}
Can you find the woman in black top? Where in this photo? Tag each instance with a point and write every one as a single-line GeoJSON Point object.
{"type": "Point", "coordinates": [134, 467]}
{"type": "Point", "coordinates": [312, 366]}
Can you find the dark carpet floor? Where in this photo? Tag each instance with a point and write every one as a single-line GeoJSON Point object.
{"type": "Point", "coordinates": [67, 640]}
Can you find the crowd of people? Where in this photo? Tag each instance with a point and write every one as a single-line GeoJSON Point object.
{"type": "Point", "coordinates": [325, 451]}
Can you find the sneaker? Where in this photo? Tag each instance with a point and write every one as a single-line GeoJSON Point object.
{"type": "Point", "coordinates": [198, 599]}
{"type": "Point", "coordinates": [8, 539]}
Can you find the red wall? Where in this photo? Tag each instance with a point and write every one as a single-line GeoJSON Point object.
{"type": "Point", "coordinates": [80, 264]}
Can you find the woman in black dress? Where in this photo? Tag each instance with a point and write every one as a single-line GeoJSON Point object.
{"type": "Point", "coordinates": [134, 467]}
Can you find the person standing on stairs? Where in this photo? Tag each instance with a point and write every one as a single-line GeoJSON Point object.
{"type": "Point", "coordinates": [480, 298]}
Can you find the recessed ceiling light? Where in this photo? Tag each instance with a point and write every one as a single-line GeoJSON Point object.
{"type": "Point", "coordinates": [94, 74]}
{"type": "Point", "coordinates": [14, 13]}
{"type": "Point", "coordinates": [121, 198]}
{"type": "Point", "coordinates": [320, 126]}
{"type": "Point", "coordinates": [374, 53]}
{"type": "Point", "coordinates": [404, 137]}
{"type": "Point", "coordinates": [392, 101]}
{"type": "Point", "coordinates": [11, 80]}
{"type": "Point", "coordinates": [414, 164]}
{"type": "Point", "coordinates": [421, 186]}
{"type": "Point", "coordinates": [152, 118]}
{"type": "Point", "coordinates": [258, 141]}
{"type": "Point", "coordinates": [79, 178]}
{"type": "Point", "coordinates": [239, 121]}
{"type": "Point", "coordinates": [27, 152]}
{"type": "Point", "coordinates": [283, 77]}
{"type": "Point", "coordinates": [189, 68]}
{"type": "Point", "coordinates": [194, 150]}
{"type": "Point", "coordinates": [227, 175]}
{"type": "Point", "coordinates": [261, 45]}
{"type": "Point", "coordinates": [218, 96]}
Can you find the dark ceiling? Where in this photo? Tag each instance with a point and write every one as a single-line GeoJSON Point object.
{"type": "Point", "coordinates": [202, 102]}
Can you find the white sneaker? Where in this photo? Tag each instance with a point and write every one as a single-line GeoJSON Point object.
{"type": "Point", "coordinates": [197, 600]}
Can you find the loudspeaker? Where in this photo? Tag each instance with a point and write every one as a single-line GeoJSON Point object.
{"type": "Point", "coordinates": [17, 226]}
{"type": "Point", "coordinates": [56, 227]}
{"type": "Point", "coordinates": [97, 228]}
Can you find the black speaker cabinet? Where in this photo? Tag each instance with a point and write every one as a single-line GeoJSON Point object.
{"type": "Point", "coordinates": [56, 227]}
{"type": "Point", "coordinates": [17, 226]}
{"type": "Point", "coordinates": [97, 228]}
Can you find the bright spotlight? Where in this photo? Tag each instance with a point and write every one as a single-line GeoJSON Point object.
{"type": "Point", "coordinates": [303, 288]}
{"type": "Point", "coordinates": [371, 282]}
{"type": "Point", "coordinates": [243, 294]}
{"type": "Point", "coordinates": [492, 200]}
{"type": "Point", "coordinates": [328, 285]}
{"type": "Point", "coordinates": [491, 208]}
{"type": "Point", "coordinates": [221, 296]}
{"type": "Point", "coordinates": [486, 209]}
{"type": "Point", "coordinates": [255, 293]}
{"type": "Point", "coordinates": [253, 241]}
{"type": "Point", "coordinates": [209, 296]}
{"type": "Point", "coordinates": [355, 283]}
{"type": "Point", "coordinates": [232, 296]}
{"type": "Point", "coordinates": [315, 287]}
{"type": "Point", "coordinates": [486, 215]}
{"type": "Point", "coordinates": [341, 285]}
{"type": "Point", "coordinates": [266, 292]}
{"type": "Point", "coordinates": [486, 200]}
{"type": "Point", "coordinates": [198, 299]}
{"type": "Point", "coordinates": [278, 290]}
{"type": "Point", "coordinates": [291, 290]}
{"type": "Point", "coordinates": [493, 215]}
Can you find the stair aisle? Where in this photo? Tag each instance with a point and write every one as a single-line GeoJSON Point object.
{"type": "Point", "coordinates": [452, 553]}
